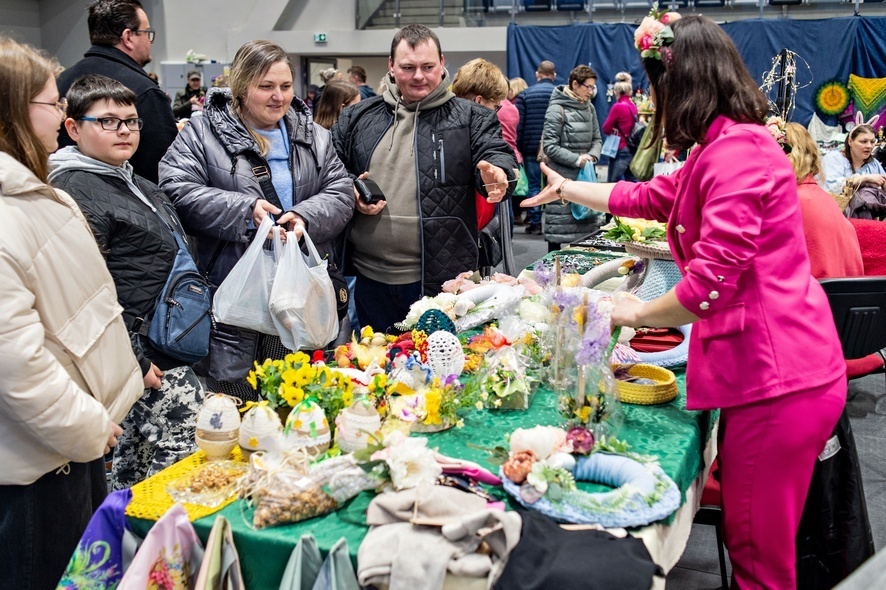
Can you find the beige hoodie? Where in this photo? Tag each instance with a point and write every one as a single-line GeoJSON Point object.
{"type": "Point", "coordinates": [387, 246]}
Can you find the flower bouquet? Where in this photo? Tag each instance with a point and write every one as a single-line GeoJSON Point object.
{"type": "Point", "coordinates": [400, 461]}
{"type": "Point", "coordinates": [504, 381]}
{"type": "Point", "coordinates": [287, 383]}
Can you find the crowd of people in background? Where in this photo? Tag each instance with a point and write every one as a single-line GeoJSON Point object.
{"type": "Point", "coordinates": [101, 191]}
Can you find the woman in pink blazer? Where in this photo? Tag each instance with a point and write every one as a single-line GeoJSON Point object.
{"type": "Point", "coordinates": [763, 349]}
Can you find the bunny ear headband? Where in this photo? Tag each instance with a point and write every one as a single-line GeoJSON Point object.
{"type": "Point", "coordinates": [859, 120]}
{"type": "Point", "coordinates": [654, 34]}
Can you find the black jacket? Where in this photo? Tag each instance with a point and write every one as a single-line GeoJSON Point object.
{"type": "Point", "coordinates": [532, 104]}
{"type": "Point", "coordinates": [466, 133]}
{"type": "Point", "coordinates": [138, 248]}
{"type": "Point", "coordinates": [152, 104]}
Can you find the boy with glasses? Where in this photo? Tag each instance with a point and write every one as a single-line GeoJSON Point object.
{"type": "Point", "coordinates": [133, 222]}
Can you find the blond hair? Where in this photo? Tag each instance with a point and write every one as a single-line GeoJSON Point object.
{"type": "Point", "coordinates": [517, 85]}
{"type": "Point", "coordinates": [24, 72]}
{"type": "Point", "coordinates": [481, 78]}
{"type": "Point", "coordinates": [251, 62]}
{"type": "Point", "coordinates": [804, 151]}
{"type": "Point", "coordinates": [623, 84]}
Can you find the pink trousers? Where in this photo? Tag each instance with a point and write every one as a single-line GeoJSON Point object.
{"type": "Point", "coordinates": [767, 451]}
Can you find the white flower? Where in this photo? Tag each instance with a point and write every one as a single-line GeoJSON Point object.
{"type": "Point", "coordinates": [536, 477]}
{"type": "Point", "coordinates": [412, 464]}
{"type": "Point", "coordinates": [533, 311]}
{"type": "Point", "coordinates": [561, 460]}
{"type": "Point", "coordinates": [543, 441]}
{"type": "Point", "coordinates": [463, 306]}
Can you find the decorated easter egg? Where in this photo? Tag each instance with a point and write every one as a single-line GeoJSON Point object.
{"type": "Point", "coordinates": [218, 424]}
{"type": "Point", "coordinates": [307, 428]}
{"type": "Point", "coordinates": [260, 424]}
{"type": "Point", "coordinates": [445, 355]}
{"type": "Point", "coordinates": [355, 423]}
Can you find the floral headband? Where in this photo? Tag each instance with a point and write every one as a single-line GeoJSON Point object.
{"type": "Point", "coordinates": [654, 34]}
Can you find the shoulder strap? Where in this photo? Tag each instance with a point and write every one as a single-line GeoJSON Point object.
{"type": "Point", "coordinates": [263, 176]}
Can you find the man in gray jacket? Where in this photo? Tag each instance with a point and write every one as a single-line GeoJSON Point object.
{"type": "Point", "coordinates": [430, 153]}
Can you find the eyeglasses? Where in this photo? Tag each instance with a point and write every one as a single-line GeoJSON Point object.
{"type": "Point", "coordinates": [61, 105]}
{"type": "Point", "coordinates": [590, 86]}
{"type": "Point", "coordinates": [497, 107]}
{"type": "Point", "coordinates": [114, 123]}
{"type": "Point", "coordinates": [151, 33]}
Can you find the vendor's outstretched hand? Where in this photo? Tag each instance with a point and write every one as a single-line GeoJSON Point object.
{"type": "Point", "coordinates": [494, 179]}
{"type": "Point", "coordinates": [626, 311]}
{"type": "Point", "coordinates": [549, 193]}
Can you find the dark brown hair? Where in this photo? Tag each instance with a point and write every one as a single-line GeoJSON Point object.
{"type": "Point", "coordinates": [335, 95]}
{"type": "Point", "coordinates": [109, 18]}
{"type": "Point", "coordinates": [856, 131]}
{"type": "Point", "coordinates": [580, 74]}
{"type": "Point", "coordinates": [358, 72]}
{"type": "Point", "coordinates": [699, 77]}
{"type": "Point", "coordinates": [415, 35]}
{"type": "Point", "coordinates": [24, 72]}
{"type": "Point", "coordinates": [91, 88]}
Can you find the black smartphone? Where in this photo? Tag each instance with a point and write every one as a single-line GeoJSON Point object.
{"type": "Point", "coordinates": [369, 192]}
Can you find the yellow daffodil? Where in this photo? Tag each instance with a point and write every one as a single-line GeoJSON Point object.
{"type": "Point", "coordinates": [252, 379]}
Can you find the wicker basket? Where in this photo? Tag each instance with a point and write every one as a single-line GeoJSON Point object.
{"type": "Point", "coordinates": [657, 250]}
{"type": "Point", "coordinates": [664, 390]}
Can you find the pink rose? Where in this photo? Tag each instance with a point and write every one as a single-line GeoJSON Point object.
{"type": "Point", "coordinates": [582, 440]}
{"type": "Point", "coordinates": [645, 43]}
{"type": "Point", "coordinates": [670, 17]}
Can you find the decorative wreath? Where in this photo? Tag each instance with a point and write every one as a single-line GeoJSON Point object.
{"type": "Point", "coordinates": [644, 493]}
{"type": "Point", "coordinates": [832, 98]}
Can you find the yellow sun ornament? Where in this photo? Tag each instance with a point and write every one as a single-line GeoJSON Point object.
{"type": "Point", "coordinates": [832, 98]}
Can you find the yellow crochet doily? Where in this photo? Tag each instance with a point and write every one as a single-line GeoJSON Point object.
{"type": "Point", "coordinates": [150, 500]}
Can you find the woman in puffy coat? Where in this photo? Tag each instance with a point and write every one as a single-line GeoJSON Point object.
{"type": "Point", "coordinates": [67, 372]}
{"type": "Point", "coordinates": [219, 199]}
{"type": "Point", "coordinates": [620, 121]}
{"type": "Point", "coordinates": [571, 139]}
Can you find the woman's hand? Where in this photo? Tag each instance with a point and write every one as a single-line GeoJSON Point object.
{"type": "Point", "coordinates": [549, 193]}
{"type": "Point", "coordinates": [152, 378]}
{"type": "Point", "coordinates": [627, 311]}
{"type": "Point", "coordinates": [872, 180]}
{"type": "Point", "coordinates": [364, 208]}
{"type": "Point", "coordinates": [292, 222]}
{"type": "Point", "coordinates": [261, 210]}
{"type": "Point", "coordinates": [112, 437]}
{"type": "Point", "coordinates": [584, 159]}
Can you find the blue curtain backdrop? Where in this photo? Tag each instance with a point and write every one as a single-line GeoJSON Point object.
{"type": "Point", "coordinates": [833, 48]}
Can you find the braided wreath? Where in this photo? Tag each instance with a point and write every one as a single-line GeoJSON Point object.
{"type": "Point", "coordinates": [644, 493]}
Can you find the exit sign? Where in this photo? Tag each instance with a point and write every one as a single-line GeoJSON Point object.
{"type": "Point", "coordinates": [319, 37]}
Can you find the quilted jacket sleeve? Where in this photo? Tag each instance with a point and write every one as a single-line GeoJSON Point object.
{"type": "Point", "coordinates": [488, 144]}
{"type": "Point", "coordinates": [204, 210]}
{"type": "Point", "coordinates": [555, 121]}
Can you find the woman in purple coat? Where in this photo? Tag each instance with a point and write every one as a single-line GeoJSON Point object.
{"type": "Point", "coordinates": [763, 349]}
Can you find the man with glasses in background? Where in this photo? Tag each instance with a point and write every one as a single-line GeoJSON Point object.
{"type": "Point", "coordinates": [121, 38]}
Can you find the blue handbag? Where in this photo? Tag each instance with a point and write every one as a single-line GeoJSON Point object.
{"type": "Point", "coordinates": [580, 212]}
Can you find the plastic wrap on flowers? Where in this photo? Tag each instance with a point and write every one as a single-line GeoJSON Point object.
{"type": "Point", "coordinates": [505, 378]}
{"type": "Point", "coordinates": [595, 402]}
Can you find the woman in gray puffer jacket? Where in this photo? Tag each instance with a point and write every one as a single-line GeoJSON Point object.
{"type": "Point", "coordinates": [219, 200]}
{"type": "Point", "coordinates": [571, 138]}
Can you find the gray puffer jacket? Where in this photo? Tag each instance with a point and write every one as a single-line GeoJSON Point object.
{"type": "Point", "coordinates": [214, 192]}
{"type": "Point", "coordinates": [571, 129]}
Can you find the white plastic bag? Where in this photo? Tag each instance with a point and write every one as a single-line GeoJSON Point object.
{"type": "Point", "coordinates": [666, 167]}
{"type": "Point", "coordinates": [243, 298]}
{"type": "Point", "coordinates": [302, 299]}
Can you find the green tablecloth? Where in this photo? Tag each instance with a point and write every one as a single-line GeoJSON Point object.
{"type": "Point", "coordinates": [670, 432]}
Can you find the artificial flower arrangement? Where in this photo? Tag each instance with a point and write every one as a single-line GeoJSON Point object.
{"type": "Point", "coordinates": [623, 229]}
{"type": "Point", "coordinates": [399, 461]}
{"type": "Point", "coordinates": [543, 464]}
{"type": "Point", "coordinates": [425, 401]}
{"type": "Point", "coordinates": [289, 382]}
{"type": "Point", "coordinates": [655, 32]}
{"type": "Point", "coordinates": [776, 127]}
{"type": "Point", "coordinates": [504, 380]}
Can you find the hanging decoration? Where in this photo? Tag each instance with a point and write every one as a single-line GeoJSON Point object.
{"type": "Point", "coordinates": [785, 78]}
{"type": "Point", "coordinates": [832, 98]}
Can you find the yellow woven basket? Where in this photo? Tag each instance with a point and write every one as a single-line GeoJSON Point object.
{"type": "Point", "coordinates": [664, 390]}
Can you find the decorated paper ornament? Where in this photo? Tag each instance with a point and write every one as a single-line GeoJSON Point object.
{"type": "Point", "coordinates": [218, 424]}
{"type": "Point", "coordinates": [307, 428]}
{"type": "Point", "coordinates": [445, 355]}
{"type": "Point", "coordinates": [260, 424]}
{"type": "Point", "coordinates": [355, 424]}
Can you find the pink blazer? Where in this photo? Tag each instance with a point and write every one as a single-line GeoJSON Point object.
{"type": "Point", "coordinates": [736, 233]}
